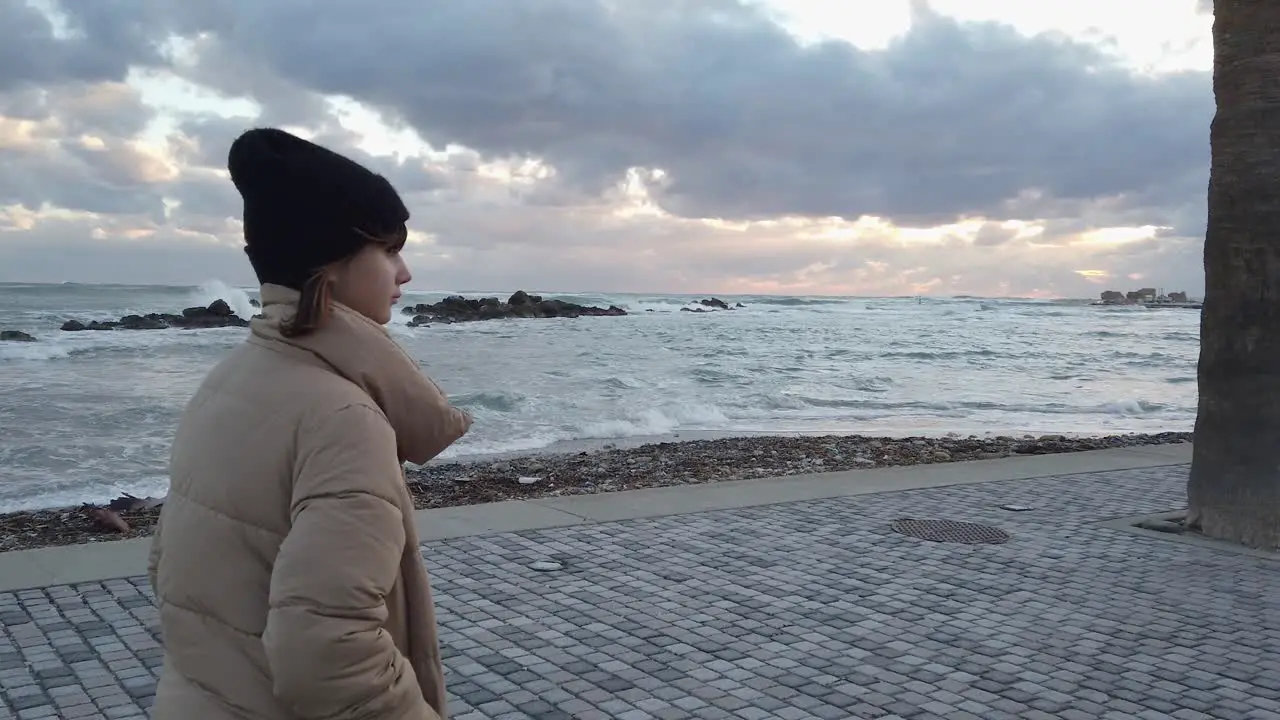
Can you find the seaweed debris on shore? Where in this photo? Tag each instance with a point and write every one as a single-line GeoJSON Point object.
{"type": "Point", "coordinates": [125, 517]}
{"type": "Point", "coordinates": [609, 470]}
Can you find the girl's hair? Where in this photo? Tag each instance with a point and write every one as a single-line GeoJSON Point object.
{"type": "Point", "coordinates": [316, 297]}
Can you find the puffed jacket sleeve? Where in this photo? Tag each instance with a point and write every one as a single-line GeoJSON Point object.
{"type": "Point", "coordinates": [327, 652]}
{"type": "Point", "coordinates": [447, 425]}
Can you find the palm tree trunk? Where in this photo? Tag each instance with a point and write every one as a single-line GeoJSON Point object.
{"type": "Point", "coordinates": [1234, 489]}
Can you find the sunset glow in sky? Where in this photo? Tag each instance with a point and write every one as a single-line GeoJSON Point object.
{"type": "Point", "coordinates": [978, 147]}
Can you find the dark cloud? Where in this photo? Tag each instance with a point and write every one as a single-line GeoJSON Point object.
{"type": "Point", "coordinates": [101, 40]}
{"type": "Point", "coordinates": [238, 74]}
{"type": "Point", "coordinates": [117, 164]}
{"type": "Point", "coordinates": [108, 108]}
{"type": "Point", "coordinates": [204, 140]}
{"type": "Point", "coordinates": [203, 194]}
{"type": "Point", "coordinates": [953, 119]}
{"type": "Point", "coordinates": [109, 179]}
{"type": "Point", "coordinates": [81, 156]}
{"type": "Point", "coordinates": [992, 235]}
{"type": "Point", "coordinates": [408, 175]}
{"type": "Point", "coordinates": [79, 108]}
{"type": "Point", "coordinates": [69, 144]}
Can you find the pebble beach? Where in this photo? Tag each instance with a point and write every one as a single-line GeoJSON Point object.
{"type": "Point", "coordinates": [608, 469]}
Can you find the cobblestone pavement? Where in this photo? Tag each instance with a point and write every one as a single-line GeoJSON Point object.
{"type": "Point", "coordinates": [805, 610]}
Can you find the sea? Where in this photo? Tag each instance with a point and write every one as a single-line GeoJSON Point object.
{"type": "Point", "coordinates": [85, 416]}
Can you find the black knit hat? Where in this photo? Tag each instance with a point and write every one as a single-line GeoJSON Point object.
{"type": "Point", "coordinates": [304, 205]}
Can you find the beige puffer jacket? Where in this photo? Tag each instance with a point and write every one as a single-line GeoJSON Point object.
{"type": "Point", "coordinates": [286, 564]}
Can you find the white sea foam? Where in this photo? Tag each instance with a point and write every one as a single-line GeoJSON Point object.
{"type": "Point", "coordinates": [33, 352]}
{"type": "Point", "coordinates": [212, 290]}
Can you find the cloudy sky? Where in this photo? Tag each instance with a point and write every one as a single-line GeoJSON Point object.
{"type": "Point", "coordinates": [992, 147]}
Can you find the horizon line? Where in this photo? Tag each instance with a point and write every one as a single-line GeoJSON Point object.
{"type": "Point", "coordinates": [490, 291]}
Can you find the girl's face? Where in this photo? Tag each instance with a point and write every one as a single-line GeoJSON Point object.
{"type": "Point", "coordinates": [370, 281]}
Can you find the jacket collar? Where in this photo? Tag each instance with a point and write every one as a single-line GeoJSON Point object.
{"type": "Point", "coordinates": [364, 353]}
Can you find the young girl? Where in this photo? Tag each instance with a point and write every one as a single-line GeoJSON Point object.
{"type": "Point", "coordinates": [286, 565]}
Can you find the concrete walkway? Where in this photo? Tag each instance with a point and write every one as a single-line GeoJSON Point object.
{"type": "Point", "coordinates": [790, 602]}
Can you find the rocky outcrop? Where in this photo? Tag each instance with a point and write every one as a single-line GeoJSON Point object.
{"type": "Point", "coordinates": [217, 314]}
{"type": "Point", "coordinates": [711, 305]}
{"type": "Point", "coordinates": [15, 336]}
{"type": "Point", "coordinates": [457, 309]}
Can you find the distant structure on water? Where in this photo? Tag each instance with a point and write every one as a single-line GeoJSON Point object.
{"type": "Point", "coordinates": [1149, 298]}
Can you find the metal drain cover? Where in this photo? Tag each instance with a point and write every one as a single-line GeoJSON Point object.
{"type": "Point", "coordinates": [950, 531]}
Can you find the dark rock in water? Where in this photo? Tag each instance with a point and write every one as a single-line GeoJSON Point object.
{"type": "Point", "coordinates": [76, 325]}
{"type": "Point", "coordinates": [217, 314]}
{"type": "Point", "coordinates": [711, 305]}
{"type": "Point", "coordinates": [254, 303]}
{"type": "Point", "coordinates": [456, 309]}
{"type": "Point", "coordinates": [15, 336]}
{"type": "Point", "coordinates": [217, 307]}
{"type": "Point", "coordinates": [141, 322]}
